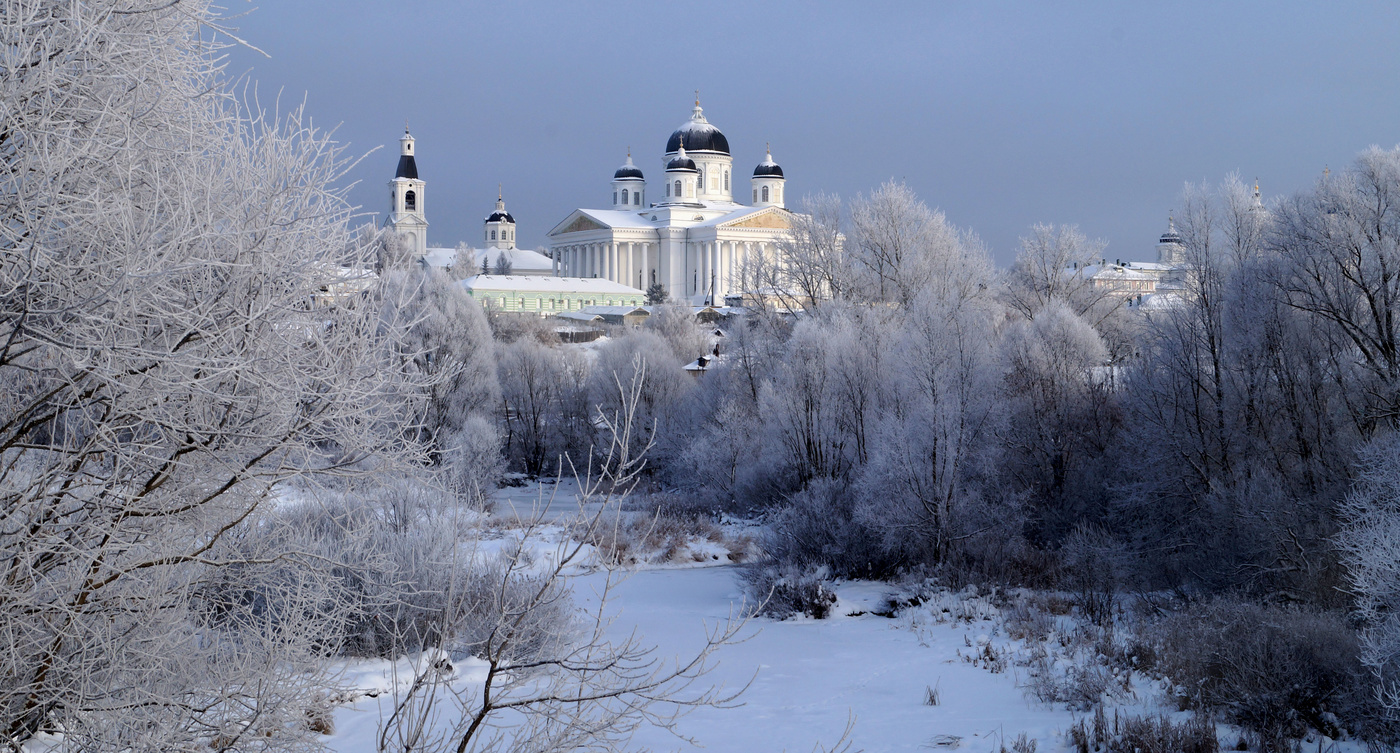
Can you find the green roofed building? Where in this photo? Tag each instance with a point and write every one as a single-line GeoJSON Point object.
{"type": "Point", "coordinates": [533, 294]}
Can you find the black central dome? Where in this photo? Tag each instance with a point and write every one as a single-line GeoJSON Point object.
{"type": "Point", "coordinates": [501, 217]}
{"type": "Point", "coordinates": [698, 136]}
{"type": "Point", "coordinates": [627, 171]}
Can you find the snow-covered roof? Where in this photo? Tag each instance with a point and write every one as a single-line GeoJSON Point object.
{"type": "Point", "coordinates": [1115, 272]}
{"type": "Point", "coordinates": [521, 260]}
{"type": "Point", "coordinates": [530, 283]}
{"type": "Point", "coordinates": [442, 258]}
{"type": "Point", "coordinates": [702, 363]}
{"type": "Point", "coordinates": [578, 316]}
{"type": "Point", "coordinates": [616, 310]}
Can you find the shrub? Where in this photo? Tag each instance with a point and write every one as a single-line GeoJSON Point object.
{"type": "Point", "coordinates": [781, 591]}
{"type": "Point", "coordinates": [819, 529]}
{"type": "Point", "coordinates": [400, 581]}
{"type": "Point", "coordinates": [1147, 734]}
{"type": "Point", "coordinates": [1275, 671]}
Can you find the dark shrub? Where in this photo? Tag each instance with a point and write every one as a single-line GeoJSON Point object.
{"type": "Point", "coordinates": [781, 591]}
{"type": "Point", "coordinates": [1275, 671]}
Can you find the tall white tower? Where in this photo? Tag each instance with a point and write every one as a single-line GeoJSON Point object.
{"type": "Point", "coordinates": [406, 197]}
{"type": "Point", "coordinates": [500, 226]}
{"type": "Point", "coordinates": [629, 187]}
{"type": "Point", "coordinates": [768, 181]}
{"type": "Point", "coordinates": [1169, 249]}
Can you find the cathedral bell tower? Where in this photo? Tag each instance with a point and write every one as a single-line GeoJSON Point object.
{"type": "Point", "coordinates": [406, 200]}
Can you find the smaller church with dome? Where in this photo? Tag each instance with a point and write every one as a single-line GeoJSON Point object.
{"type": "Point", "coordinates": [689, 234]}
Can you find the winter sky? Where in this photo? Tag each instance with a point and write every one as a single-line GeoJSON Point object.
{"type": "Point", "coordinates": [1002, 114]}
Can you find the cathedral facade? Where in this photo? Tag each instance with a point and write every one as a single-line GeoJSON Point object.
{"type": "Point", "coordinates": [690, 233]}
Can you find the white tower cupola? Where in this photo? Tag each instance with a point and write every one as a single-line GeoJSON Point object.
{"type": "Point", "coordinates": [406, 214]}
{"type": "Point", "coordinates": [629, 187]}
{"type": "Point", "coordinates": [500, 226]}
{"type": "Point", "coordinates": [768, 181]}
{"type": "Point", "coordinates": [681, 179]}
{"type": "Point", "coordinates": [1169, 249]}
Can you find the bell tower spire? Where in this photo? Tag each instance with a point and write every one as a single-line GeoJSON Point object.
{"type": "Point", "coordinates": [406, 193]}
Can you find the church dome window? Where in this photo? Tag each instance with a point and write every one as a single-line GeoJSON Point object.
{"type": "Point", "coordinates": [678, 189]}
{"type": "Point", "coordinates": [493, 235]}
{"type": "Point", "coordinates": [765, 193]}
{"type": "Point", "coordinates": [410, 201]}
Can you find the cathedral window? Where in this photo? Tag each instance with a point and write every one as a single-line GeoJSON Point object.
{"type": "Point", "coordinates": [726, 180]}
{"type": "Point", "coordinates": [668, 189]}
{"type": "Point", "coordinates": [755, 196]}
{"type": "Point", "coordinates": [636, 198]}
{"type": "Point", "coordinates": [624, 196]}
{"type": "Point", "coordinates": [765, 193]}
{"type": "Point", "coordinates": [678, 189]}
{"type": "Point", "coordinates": [410, 201]}
{"type": "Point", "coordinates": [614, 197]}
{"type": "Point", "coordinates": [493, 235]}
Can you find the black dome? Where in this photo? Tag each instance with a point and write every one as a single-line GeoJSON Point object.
{"type": "Point", "coordinates": [628, 171]}
{"type": "Point", "coordinates": [681, 163]}
{"type": "Point", "coordinates": [501, 217]}
{"type": "Point", "coordinates": [697, 135]}
{"type": "Point", "coordinates": [407, 167]}
{"type": "Point", "coordinates": [698, 138]}
{"type": "Point", "coordinates": [768, 168]}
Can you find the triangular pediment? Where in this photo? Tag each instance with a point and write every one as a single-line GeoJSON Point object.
{"type": "Point", "coordinates": [775, 219]}
{"type": "Point", "coordinates": [580, 222]}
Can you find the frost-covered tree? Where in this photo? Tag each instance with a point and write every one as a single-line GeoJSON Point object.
{"type": "Point", "coordinates": [1370, 543]}
{"type": "Point", "coordinates": [898, 243]}
{"type": "Point", "coordinates": [685, 337]}
{"type": "Point", "coordinates": [182, 337]}
{"type": "Point", "coordinates": [448, 339]}
{"type": "Point", "coordinates": [1060, 410]}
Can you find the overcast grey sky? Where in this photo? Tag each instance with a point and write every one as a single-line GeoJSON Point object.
{"type": "Point", "coordinates": [1001, 114]}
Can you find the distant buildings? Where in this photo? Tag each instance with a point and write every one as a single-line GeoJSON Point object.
{"type": "Point", "coordinates": [689, 234]}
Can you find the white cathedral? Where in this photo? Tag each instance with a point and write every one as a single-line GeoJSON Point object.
{"type": "Point", "coordinates": [689, 234]}
{"type": "Point", "coordinates": [692, 236]}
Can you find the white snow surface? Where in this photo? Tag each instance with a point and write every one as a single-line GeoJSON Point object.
{"type": "Point", "coordinates": [809, 677]}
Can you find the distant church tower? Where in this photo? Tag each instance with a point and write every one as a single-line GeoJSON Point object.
{"type": "Point", "coordinates": [500, 227]}
{"type": "Point", "coordinates": [406, 194]}
{"type": "Point", "coordinates": [1169, 249]}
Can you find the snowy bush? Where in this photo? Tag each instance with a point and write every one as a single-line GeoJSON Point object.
{"type": "Point", "coordinates": [1144, 734]}
{"type": "Point", "coordinates": [1276, 671]}
{"type": "Point", "coordinates": [782, 591]}
{"type": "Point", "coordinates": [819, 528]}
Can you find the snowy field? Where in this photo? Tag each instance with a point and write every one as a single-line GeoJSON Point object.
{"type": "Point", "coordinates": [810, 677]}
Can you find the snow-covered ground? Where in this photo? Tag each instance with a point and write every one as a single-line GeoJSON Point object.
{"type": "Point", "coordinates": [809, 677]}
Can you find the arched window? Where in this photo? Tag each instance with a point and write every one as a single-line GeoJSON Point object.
{"type": "Point", "coordinates": [755, 196]}
{"type": "Point", "coordinates": [636, 198]}
{"type": "Point", "coordinates": [624, 196]}
{"type": "Point", "coordinates": [410, 201]}
{"type": "Point", "coordinates": [779, 195]}
{"type": "Point", "coordinates": [614, 197]}
{"type": "Point", "coordinates": [726, 180]}
{"type": "Point", "coordinates": [678, 189]}
{"type": "Point", "coordinates": [765, 193]}
{"type": "Point", "coordinates": [493, 235]}
{"type": "Point", "coordinates": [668, 189]}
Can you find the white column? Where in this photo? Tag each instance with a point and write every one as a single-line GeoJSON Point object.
{"type": "Point", "coordinates": [612, 261]}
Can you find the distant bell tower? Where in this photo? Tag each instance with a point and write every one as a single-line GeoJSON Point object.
{"type": "Point", "coordinates": [406, 197]}
{"type": "Point", "coordinates": [500, 226]}
{"type": "Point", "coordinates": [1170, 251]}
